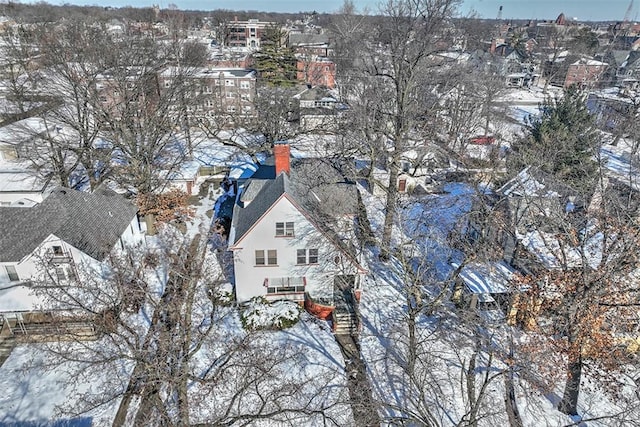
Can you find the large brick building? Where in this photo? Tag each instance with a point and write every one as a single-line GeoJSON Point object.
{"type": "Point", "coordinates": [585, 73]}
{"type": "Point", "coordinates": [217, 90]}
{"type": "Point", "coordinates": [244, 33]}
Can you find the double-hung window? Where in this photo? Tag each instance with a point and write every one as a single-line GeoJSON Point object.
{"type": "Point", "coordinates": [306, 256]}
{"type": "Point", "coordinates": [268, 257]}
{"type": "Point", "coordinates": [312, 256]}
{"type": "Point", "coordinates": [284, 229]}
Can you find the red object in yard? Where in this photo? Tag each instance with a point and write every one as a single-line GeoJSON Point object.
{"type": "Point", "coordinates": [482, 140]}
{"type": "Point", "coordinates": [321, 311]}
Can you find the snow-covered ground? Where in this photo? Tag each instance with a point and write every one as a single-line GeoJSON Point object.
{"type": "Point", "coordinates": [36, 389]}
{"type": "Point", "coordinates": [79, 383]}
{"type": "Point", "coordinates": [445, 340]}
{"type": "Point", "coordinates": [299, 370]}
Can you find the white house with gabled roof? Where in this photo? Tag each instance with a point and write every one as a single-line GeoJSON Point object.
{"type": "Point", "coordinates": [292, 232]}
{"type": "Point", "coordinates": [50, 240]}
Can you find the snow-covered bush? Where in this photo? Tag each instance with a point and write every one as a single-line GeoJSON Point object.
{"type": "Point", "coordinates": [261, 314]}
{"type": "Point", "coordinates": [222, 294]}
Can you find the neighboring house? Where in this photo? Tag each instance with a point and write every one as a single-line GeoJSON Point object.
{"type": "Point", "coordinates": [20, 185]}
{"type": "Point", "coordinates": [319, 110]}
{"type": "Point", "coordinates": [185, 178]}
{"type": "Point", "coordinates": [628, 72]}
{"type": "Point", "coordinates": [611, 110]}
{"type": "Point", "coordinates": [418, 168]}
{"type": "Point", "coordinates": [69, 228]}
{"type": "Point", "coordinates": [482, 147]}
{"type": "Point", "coordinates": [293, 232]}
{"type": "Point", "coordinates": [520, 79]}
{"type": "Point", "coordinates": [585, 72]}
{"type": "Point", "coordinates": [316, 71]}
{"type": "Point", "coordinates": [310, 44]}
{"type": "Point", "coordinates": [47, 243]}
{"type": "Point", "coordinates": [487, 288]}
{"type": "Point", "coordinates": [406, 182]}
{"type": "Point", "coordinates": [509, 218]}
{"type": "Point", "coordinates": [512, 60]}
{"type": "Point", "coordinates": [17, 138]}
{"type": "Point", "coordinates": [22, 188]}
{"type": "Point", "coordinates": [313, 64]}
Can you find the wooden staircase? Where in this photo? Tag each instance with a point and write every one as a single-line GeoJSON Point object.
{"type": "Point", "coordinates": [6, 347]}
{"type": "Point", "coordinates": [345, 322]}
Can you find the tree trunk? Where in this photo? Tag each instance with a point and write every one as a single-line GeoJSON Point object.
{"type": "Point", "coordinates": [569, 403]}
{"type": "Point", "coordinates": [510, 401]}
{"type": "Point", "coordinates": [471, 390]}
{"type": "Point", "coordinates": [413, 354]}
{"type": "Point", "coordinates": [510, 393]}
{"type": "Point", "coordinates": [390, 210]}
{"type": "Point", "coordinates": [150, 220]}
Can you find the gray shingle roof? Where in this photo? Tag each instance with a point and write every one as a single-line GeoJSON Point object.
{"type": "Point", "coordinates": [302, 39]}
{"type": "Point", "coordinates": [244, 218]}
{"type": "Point", "coordinates": [319, 186]}
{"type": "Point", "coordinates": [93, 223]}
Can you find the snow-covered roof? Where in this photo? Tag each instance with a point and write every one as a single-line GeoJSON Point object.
{"type": "Point", "coordinates": [19, 298]}
{"type": "Point", "coordinates": [22, 130]}
{"type": "Point", "coordinates": [487, 278]}
{"type": "Point", "coordinates": [211, 72]}
{"type": "Point", "coordinates": [590, 63]}
{"type": "Point", "coordinates": [91, 222]}
{"type": "Point", "coordinates": [551, 253]}
{"type": "Point", "coordinates": [21, 182]}
{"type": "Point", "coordinates": [560, 56]}
{"type": "Point", "coordinates": [528, 182]}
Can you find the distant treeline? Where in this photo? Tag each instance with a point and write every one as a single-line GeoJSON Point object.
{"type": "Point", "coordinates": [45, 12]}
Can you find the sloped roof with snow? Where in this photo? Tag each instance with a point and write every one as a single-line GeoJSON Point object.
{"type": "Point", "coordinates": [531, 182]}
{"type": "Point", "coordinates": [487, 278]}
{"type": "Point", "coordinates": [91, 222]}
{"type": "Point", "coordinates": [552, 253]}
{"type": "Point", "coordinates": [305, 39]}
{"type": "Point", "coordinates": [590, 63]}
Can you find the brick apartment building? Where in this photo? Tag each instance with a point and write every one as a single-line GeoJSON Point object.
{"type": "Point", "coordinates": [209, 91]}
{"type": "Point", "coordinates": [313, 64]}
{"type": "Point", "coordinates": [585, 73]}
{"type": "Point", "coordinates": [217, 90]}
{"type": "Point", "coordinates": [245, 33]}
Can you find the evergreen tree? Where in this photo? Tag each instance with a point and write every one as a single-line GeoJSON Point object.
{"type": "Point", "coordinates": [275, 62]}
{"type": "Point", "coordinates": [563, 141]}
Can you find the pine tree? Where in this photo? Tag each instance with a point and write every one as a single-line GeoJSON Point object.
{"type": "Point", "coordinates": [562, 142]}
{"type": "Point", "coordinates": [275, 62]}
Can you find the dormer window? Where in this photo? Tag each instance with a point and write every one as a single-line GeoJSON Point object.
{"type": "Point", "coordinates": [284, 229]}
{"type": "Point", "coordinates": [57, 250]}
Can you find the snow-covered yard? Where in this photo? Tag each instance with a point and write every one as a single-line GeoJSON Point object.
{"type": "Point", "coordinates": [296, 375]}
{"type": "Point", "coordinates": [433, 386]}
{"type": "Point", "coordinates": [37, 389]}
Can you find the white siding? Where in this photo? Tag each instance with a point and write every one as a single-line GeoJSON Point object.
{"type": "Point", "coordinates": [250, 278]}
{"type": "Point", "coordinates": [29, 267]}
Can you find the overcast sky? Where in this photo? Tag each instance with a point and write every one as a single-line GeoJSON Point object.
{"type": "Point", "coordinates": [534, 9]}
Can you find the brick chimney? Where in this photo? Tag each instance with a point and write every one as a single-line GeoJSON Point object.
{"type": "Point", "coordinates": [282, 155]}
